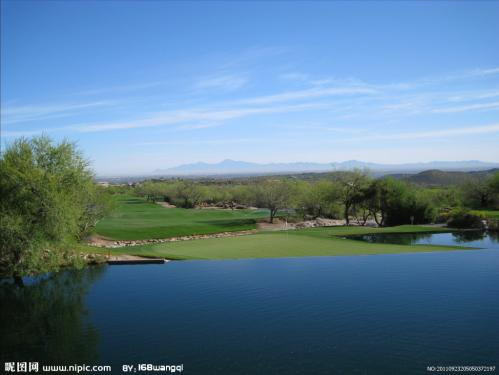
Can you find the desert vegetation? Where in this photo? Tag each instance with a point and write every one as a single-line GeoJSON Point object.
{"type": "Point", "coordinates": [353, 196]}
{"type": "Point", "coordinates": [51, 205]}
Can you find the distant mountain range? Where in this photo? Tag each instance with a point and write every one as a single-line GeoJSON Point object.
{"type": "Point", "coordinates": [233, 167]}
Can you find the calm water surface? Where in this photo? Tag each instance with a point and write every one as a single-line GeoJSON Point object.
{"type": "Point", "coordinates": [382, 314]}
{"type": "Point", "coordinates": [472, 238]}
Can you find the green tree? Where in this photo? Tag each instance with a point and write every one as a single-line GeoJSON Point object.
{"type": "Point", "coordinates": [274, 195]}
{"type": "Point", "coordinates": [493, 183]}
{"type": "Point", "coordinates": [393, 202]}
{"type": "Point", "coordinates": [48, 201]}
{"type": "Point", "coordinates": [352, 189]}
{"type": "Point", "coordinates": [317, 199]}
{"type": "Point", "coordinates": [476, 193]}
{"type": "Point", "coordinates": [188, 194]}
{"type": "Point", "coordinates": [241, 194]}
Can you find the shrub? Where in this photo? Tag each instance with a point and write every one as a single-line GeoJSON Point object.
{"type": "Point", "coordinates": [493, 225]}
{"type": "Point", "coordinates": [443, 215]}
{"type": "Point", "coordinates": [464, 219]}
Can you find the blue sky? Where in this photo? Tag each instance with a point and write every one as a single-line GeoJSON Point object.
{"type": "Point", "coordinates": [145, 85]}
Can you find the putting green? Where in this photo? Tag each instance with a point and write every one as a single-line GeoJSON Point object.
{"type": "Point", "coordinates": [296, 243]}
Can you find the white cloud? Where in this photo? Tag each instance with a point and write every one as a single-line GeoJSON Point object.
{"type": "Point", "coordinates": [469, 107]}
{"type": "Point", "coordinates": [485, 72]}
{"type": "Point", "coordinates": [198, 126]}
{"type": "Point", "coordinates": [224, 82]}
{"type": "Point", "coordinates": [203, 115]}
{"type": "Point", "coordinates": [11, 115]}
{"type": "Point", "coordinates": [472, 130]}
{"type": "Point", "coordinates": [120, 88]}
{"type": "Point", "coordinates": [207, 141]}
{"type": "Point", "coordinates": [309, 94]}
{"type": "Point", "coordinates": [297, 77]}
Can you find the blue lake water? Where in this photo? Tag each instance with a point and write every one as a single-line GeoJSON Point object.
{"type": "Point", "coordinates": [469, 238]}
{"type": "Point", "coordinates": [381, 314]}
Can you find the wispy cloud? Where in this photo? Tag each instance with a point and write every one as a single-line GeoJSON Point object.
{"type": "Point", "coordinates": [250, 56]}
{"type": "Point", "coordinates": [469, 107]}
{"type": "Point", "coordinates": [485, 72]}
{"type": "Point", "coordinates": [198, 126]}
{"type": "Point", "coordinates": [347, 98]}
{"type": "Point", "coordinates": [309, 94]}
{"type": "Point", "coordinates": [17, 114]}
{"type": "Point", "coordinates": [472, 130]}
{"type": "Point", "coordinates": [190, 115]}
{"type": "Point", "coordinates": [26, 133]}
{"type": "Point", "coordinates": [227, 82]}
{"type": "Point", "coordinates": [473, 95]}
{"type": "Point", "coordinates": [120, 88]}
{"type": "Point", "coordinates": [206, 141]}
{"type": "Point", "coordinates": [295, 77]}
{"type": "Point", "coordinates": [463, 75]}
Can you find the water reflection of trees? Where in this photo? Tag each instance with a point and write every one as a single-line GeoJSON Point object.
{"type": "Point", "coordinates": [494, 236]}
{"type": "Point", "coordinates": [47, 321]}
{"type": "Point", "coordinates": [395, 238]}
{"type": "Point", "coordinates": [469, 235]}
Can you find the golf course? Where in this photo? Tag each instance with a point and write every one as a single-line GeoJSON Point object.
{"type": "Point", "coordinates": [136, 219]}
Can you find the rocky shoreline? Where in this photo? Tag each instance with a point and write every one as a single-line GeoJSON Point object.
{"type": "Point", "coordinates": [98, 241]}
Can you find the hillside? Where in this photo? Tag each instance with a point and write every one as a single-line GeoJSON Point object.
{"type": "Point", "coordinates": [435, 177]}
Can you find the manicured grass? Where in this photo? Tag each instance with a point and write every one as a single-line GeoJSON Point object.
{"type": "Point", "coordinates": [296, 243]}
{"type": "Point", "coordinates": [136, 219]}
{"type": "Point", "coordinates": [494, 214]}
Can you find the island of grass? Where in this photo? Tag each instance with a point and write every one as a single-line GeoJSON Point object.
{"type": "Point", "coordinates": [136, 219]}
{"type": "Point", "coordinates": [327, 241]}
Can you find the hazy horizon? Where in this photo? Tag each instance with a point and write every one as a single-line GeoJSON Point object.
{"type": "Point", "coordinates": [153, 85]}
{"type": "Point", "coordinates": [241, 167]}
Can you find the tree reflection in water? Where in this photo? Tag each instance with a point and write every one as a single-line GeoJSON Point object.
{"type": "Point", "coordinates": [469, 235]}
{"type": "Point", "coordinates": [47, 322]}
{"type": "Point", "coordinates": [392, 238]}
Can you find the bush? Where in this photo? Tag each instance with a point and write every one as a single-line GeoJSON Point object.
{"type": "Point", "coordinates": [443, 215]}
{"type": "Point", "coordinates": [465, 219]}
{"type": "Point", "coordinates": [493, 225]}
{"type": "Point", "coordinates": [49, 202]}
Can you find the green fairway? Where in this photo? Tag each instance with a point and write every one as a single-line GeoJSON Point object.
{"type": "Point", "coordinates": [294, 243]}
{"type": "Point", "coordinates": [136, 219]}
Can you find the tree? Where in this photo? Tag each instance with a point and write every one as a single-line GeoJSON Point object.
{"type": "Point", "coordinates": [153, 190]}
{"type": "Point", "coordinates": [380, 195]}
{"type": "Point", "coordinates": [274, 195]}
{"type": "Point", "coordinates": [317, 199]}
{"type": "Point", "coordinates": [476, 192]}
{"type": "Point", "coordinates": [493, 183]}
{"type": "Point", "coordinates": [353, 186]}
{"type": "Point", "coordinates": [241, 194]}
{"type": "Point", "coordinates": [393, 202]}
{"type": "Point", "coordinates": [48, 201]}
{"type": "Point", "coordinates": [188, 194]}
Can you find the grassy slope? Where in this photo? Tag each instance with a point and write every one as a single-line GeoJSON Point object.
{"type": "Point", "coordinates": [136, 219]}
{"type": "Point", "coordinates": [488, 213]}
{"type": "Point", "coordinates": [306, 242]}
